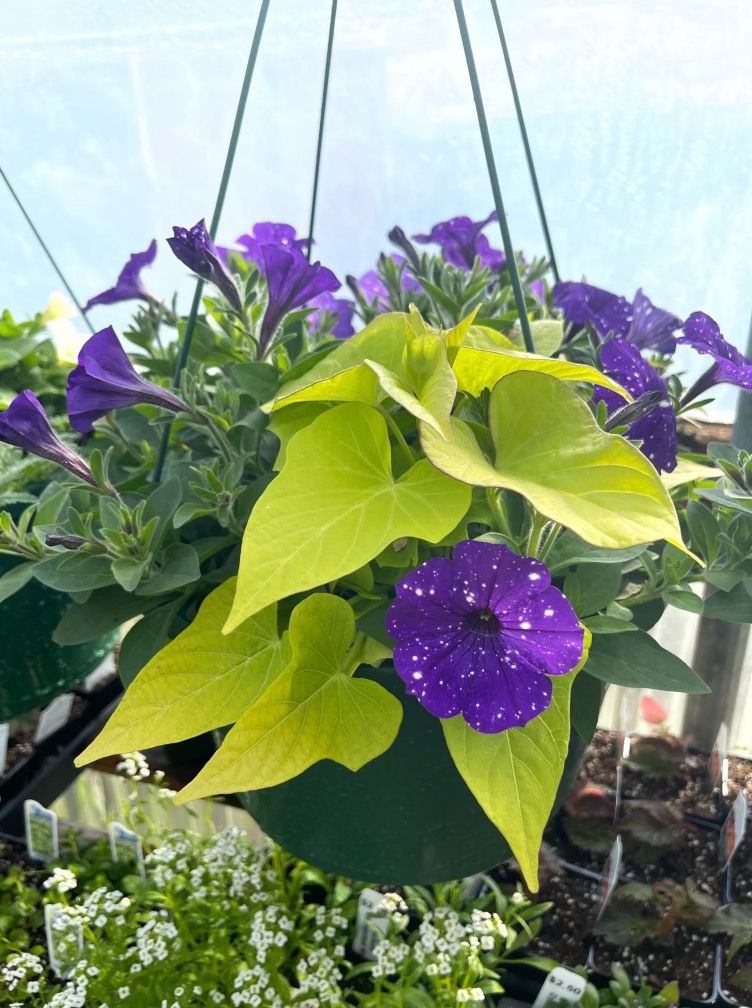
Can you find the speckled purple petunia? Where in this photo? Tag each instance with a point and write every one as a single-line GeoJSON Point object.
{"type": "Point", "coordinates": [623, 362]}
{"type": "Point", "coordinates": [194, 247]}
{"type": "Point", "coordinates": [639, 322]}
{"type": "Point", "coordinates": [703, 334]}
{"type": "Point", "coordinates": [480, 634]}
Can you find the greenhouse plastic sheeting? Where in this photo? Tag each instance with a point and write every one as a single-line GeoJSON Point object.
{"type": "Point", "coordinates": [116, 119]}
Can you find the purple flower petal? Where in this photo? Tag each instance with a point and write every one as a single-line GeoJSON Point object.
{"type": "Point", "coordinates": [652, 328]}
{"type": "Point", "coordinates": [461, 241]}
{"type": "Point", "coordinates": [640, 321]}
{"type": "Point", "coordinates": [581, 303]}
{"type": "Point", "coordinates": [128, 286]}
{"type": "Point", "coordinates": [374, 290]}
{"type": "Point", "coordinates": [197, 251]}
{"type": "Point", "coordinates": [479, 634]}
{"type": "Point", "coordinates": [292, 282]}
{"type": "Point", "coordinates": [703, 334]}
{"type": "Point", "coordinates": [341, 308]}
{"type": "Point", "coordinates": [623, 362]}
{"type": "Point", "coordinates": [25, 425]}
{"type": "Point", "coordinates": [269, 233]}
{"type": "Point", "coordinates": [105, 380]}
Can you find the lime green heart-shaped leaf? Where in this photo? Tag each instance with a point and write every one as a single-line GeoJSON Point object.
{"type": "Point", "coordinates": [688, 471]}
{"type": "Point", "coordinates": [335, 506]}
{"type": "Point", "coordinates": [547, 335]}
{"type": "Point", "coordinates": [550, 449]}
{"type": "Point", "coordinates": [428, 387]}
{"type": "Point", "coordinates": [342, 376]}
{"type": "Point", "coordinates": [201, 680]}
{"type": "Point", "coordinates": [478, 369]}
{"type": "Point", "coordinates": [287, 422]}
{"type": "Point", "coordinates": [314, 710]}
{"type": "Point", "coordinates": [515, 774]}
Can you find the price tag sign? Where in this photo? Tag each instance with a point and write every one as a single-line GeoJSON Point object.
{"type": "Point", "coordinates": [65, 938]}
{"type": "Point", "coordinates": [718, 766]}
{"type": "Point", "coordinates": [610, 876]}
{"type": "Point", "coordinates": [54, 717]}
{"type": "Point", "coordinates": [125, 845]}
{"type": "Point", "coordinates": [41, 832]}
{"type": "Point", "coordinates": [733, 830]}
{"type": "Point", "coordinates": [4, 736]}
{"type": "Point", "coordinates": [370, 925]}
{"type": "Point", "coordinates": [561, 986]}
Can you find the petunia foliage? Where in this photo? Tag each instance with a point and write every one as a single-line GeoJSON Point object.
{"type": "Point", "coordinates": [350, 527]}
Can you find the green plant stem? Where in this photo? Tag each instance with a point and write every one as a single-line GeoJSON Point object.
{"type": "Point", "coordinates": [399, 437]}
{"type": "Point", "coordinates": [496, 503]}
{"type": "Point", "coordinates": [536, 532]}
{"type": "Point", "coordinates": [551, 538]}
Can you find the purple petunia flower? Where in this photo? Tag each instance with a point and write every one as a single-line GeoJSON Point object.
{"type": "Point", "coordinates": [374, 290]}
{"type": "Point", "coordinates": [25, 425]}
{"type": "Point", "coordinates": [268, 233]}
{"type": "Point", "coordinates": [198, 252]}
{"type": "Point", "coordinates": [128, 286]}
{"type": "Point", "coordinates": [480, 634]}
{"type": "Point", "coordinates": [461, 242]}
{"type": "Point", "coordinates": [704, 335]}
{"type": "Point", "coordinates": [640, 322]}
{"type": "Point", "coordinates": [341, 308]}
{"type": "Point", "coordinates": [105, 380]}
{"type": "Point", "coordinates": [292, 282]}
{"type": "Point", "coordinates": [623, 362]}
{"type": "Point", "coordinates": [581, 303]}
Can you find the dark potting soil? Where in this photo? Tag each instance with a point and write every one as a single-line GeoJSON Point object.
{"type": "Point", "coordinates": [693, 855]}
{"type": "Point", "coordinates": [741, 870]}
{"type": "Point", "coordinates": [690, 960]}
{"type": "Point", "coordinates": [564, 934]}
{"type": "Point", "coordinates": [688, 785]}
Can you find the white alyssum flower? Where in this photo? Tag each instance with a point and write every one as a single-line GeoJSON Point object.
{"type": "Point", "coordinates": [61, 880]}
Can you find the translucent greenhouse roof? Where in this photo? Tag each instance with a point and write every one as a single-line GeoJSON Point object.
{"type": "Point", "coordinates": [117, 118]}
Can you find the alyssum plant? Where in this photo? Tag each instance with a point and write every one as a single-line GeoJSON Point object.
{"type": "Point", "coordinates": [422, 498]}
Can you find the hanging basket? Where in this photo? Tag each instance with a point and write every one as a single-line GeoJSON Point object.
{"type": "Point", "coordinates": [406, 817]}
{"type": "Point", "coordinates": [34, 670]}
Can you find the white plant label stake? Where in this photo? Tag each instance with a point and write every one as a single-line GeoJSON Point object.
{"type": "Point", "coordinates": [370, 926]}
{"type": "Point", "coordinates": [718, 765]}
{"type": "Point", "coordinates": [4, 736]}
{"type": "Point", "coordinates": [560, 986]}
{"type": "Point", "coordinates": [41, 832]}
{"type": "Point", "coordinates": [610, 876]}
{"type": "Point", "coordinates": [65, 938]}
{"type": "Point", "coordinates": [54, 717]}
{"type": "Point", "coordinates": [125, 845]}
{"type": "Point", "coordinates": [733, 830]}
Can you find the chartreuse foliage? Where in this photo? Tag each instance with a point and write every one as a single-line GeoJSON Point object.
{"type": "Point", "coordinates": [393, 446]}
{"type": "Point", "coordinates": [314, 710]}
{"type": "Point", "coordinates": [515, 774]}
{"type": "Point", "coordinates": [335, 506]}
{"type": "Point", "coordinates": [199, 681]}
{"type": "Point", "coordinates": [550, 449]}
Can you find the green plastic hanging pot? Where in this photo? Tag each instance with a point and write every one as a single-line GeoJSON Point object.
{"type": "Point", "coordinates": [406, 817]}
{"type": "Point", "coordinates": [33, 669]}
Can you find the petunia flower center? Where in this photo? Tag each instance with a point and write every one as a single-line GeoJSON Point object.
{"type": "Point", "coordinates": [484, 622]}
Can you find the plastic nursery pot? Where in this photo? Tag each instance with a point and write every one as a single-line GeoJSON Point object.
{"type": "Point", "coordinates": [33, 669]}
{"type": "Point", "coordinates": [406, 817]}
